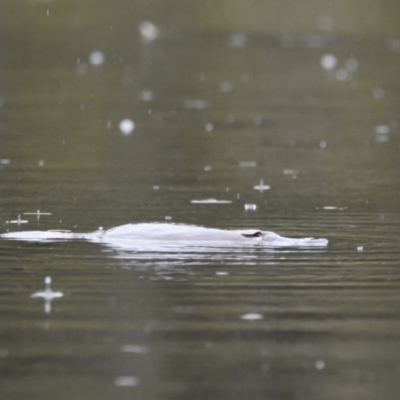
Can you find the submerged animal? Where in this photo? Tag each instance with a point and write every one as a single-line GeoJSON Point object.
{"type": "Point", "coordinates": [131, 236]}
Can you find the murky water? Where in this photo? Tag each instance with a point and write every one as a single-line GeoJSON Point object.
{"type": "Point", "coordinates": [216, 111]}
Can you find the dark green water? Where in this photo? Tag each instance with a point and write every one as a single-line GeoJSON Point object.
{"type": "Point", "coordinates": [218, 104]}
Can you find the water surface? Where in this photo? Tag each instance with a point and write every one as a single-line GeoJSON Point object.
{"type": "Point", "coordinates": [216, 109]}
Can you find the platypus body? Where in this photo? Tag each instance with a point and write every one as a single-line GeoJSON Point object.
{"type": "Point", "coordinates": [178, 234]}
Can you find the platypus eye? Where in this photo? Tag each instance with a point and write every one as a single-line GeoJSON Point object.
{"type": "Point", "coordinates": [257, 234]}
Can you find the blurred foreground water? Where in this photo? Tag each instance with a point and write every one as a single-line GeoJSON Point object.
{"type": "Point", "coordinates": [143, 113]}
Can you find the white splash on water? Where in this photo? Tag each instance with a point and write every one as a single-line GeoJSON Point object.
{"type": "Point", "coordinates": [250, 207]}
{"type": "Point", "coordinates": [18, 221]}
{"type": "Point", "coordinates": [252, 317]}
{"type": "Point", "coordinates": [261, 187]}
{"type": "Point", "coordinates": [211, 201]}
{"type": "Point", "coordinates": [48, 295]}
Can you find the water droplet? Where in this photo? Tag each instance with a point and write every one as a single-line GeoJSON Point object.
{"type": "Point", "coordinates": [328, 61]}
{"type": "Point", "coordinates": [146, 95]}
{"type": "Point", "coordinates": [257, 121]}
{"type": "Point", "coordinates": [261, 187]}
{"type": "Point", "coordinates": [197, 104]}
{"type": "Point", "coordinates": [252, 317]}
{"type": "Point", "coordinates": [326, 23]}
{"type": "Point", "coordinates": [341, 74]}
{"type": "Point", "coordinates": [126, 381]}
{"type": "Point", "coordinates": [247, 164]}
{"type": "Point", "coordinates": [211, 201]}
{"type": "Point", "coordinates": [378, 93]}
{"type": "Point", "coordinates": [320, 364]}
{"type": "Point", "coordinates": [126, 126]}
{"type": "Point", "coordinates": [238, 40]}
{"type": "Point", "coordinates": [97, 58]}
{"type": "Point", "coordinates": [351, 64]}
{"type": "Point", "coordinates": [209, 127]}
{"type": "Point", "coordinates": [225, 87]}
{"type": "Point", "coordinates": [148, 32]}
{"type": "Point", "coordinates": [134, 348]}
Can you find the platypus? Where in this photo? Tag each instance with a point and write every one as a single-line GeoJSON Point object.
{"type": "Point", "coordinates": [130, 234]}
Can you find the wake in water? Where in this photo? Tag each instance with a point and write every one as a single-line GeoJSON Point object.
{"type": "Point", "coordinates": [164, 235]}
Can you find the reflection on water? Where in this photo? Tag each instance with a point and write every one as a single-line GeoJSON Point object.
{"type": "Point", "coordinates": [279, 116]}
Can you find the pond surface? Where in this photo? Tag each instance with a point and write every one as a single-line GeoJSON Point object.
{"type": "Point", "coordinates": [292, 133]}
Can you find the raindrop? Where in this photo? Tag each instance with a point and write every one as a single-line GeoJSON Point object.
{"type": "Point", "coordinates": [211, 201]}
{"type": "Point", "coordinates": [326, 23]}
{"type": "Point", "coordinates": [146, 95]}
{"type": "Point", "coordinates": [261, 187]}
{"type": "Point", "coordinates": [209, 127]}
{"type": "Point", "coordinates": [378, 93]}
{"type": "Point", "coordinates": [328, 61]}
{"type": "Point", "coordinates": [238, 40]}
{"type": "Point", "coordinates": [251, 317]}
{"type": "Point", "coordinates": [3, 353]}
{"type": "Point", "coordinates": [197, 104]}
{"type": "Point", "coordinates": [394, 45]}
{"type": "Point", "coordinates": [382, 129]}
{"type": "Point", "coordinates": [134, 348]}
{"type": "Point", "coordinates": [225, 87]}
{"type": "Point", "coordinates": [126, 381]}
{"type": "Point", "coordinates": [97, 58]}
{"type": "Point", "coordinates": [291, 172]}
{"type": "Point", "coordinates": [126, 126]}
{"type": "Point", "coordinates": [257, 121]}
{"type": "Point", "coordinates": [320, 364]}
{"type": "Point", "coordinates": [48, 295]}
{"type": "Point", "coordinates": [18, 221]}
{"type": "Point", "coordinates": [382, 133]}
{"type": "Point", "coordinates": [38, 213]}
{"type": "Point", "coordinates": [148, 32]}
{"type": "Point", "coordinates": [341, 74]}
{"type": "Point", "coordinates": [247, 164]}
{"type": "Point", "coordinates": [351, 64]}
